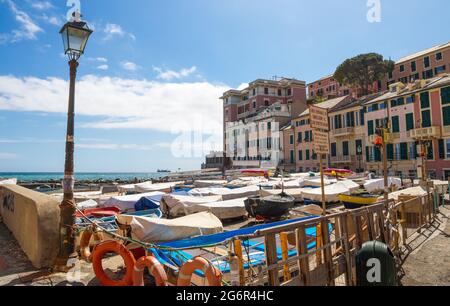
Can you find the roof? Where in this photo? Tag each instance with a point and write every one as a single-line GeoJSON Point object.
{"type": "Point", "coordinates": [329, 104]}
{"type": "Point", "coordinates": [321, 79]}
{"type": "Point", "coordinates": [411, 88]}
{"type": "Point", "coordinates": [423, 52]}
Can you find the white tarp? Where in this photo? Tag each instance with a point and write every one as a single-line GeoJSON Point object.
{"type": "Point", "coordinates": [412, 192]}
{"type": "Point", "coordinates": [221, 209]}
{"type": "Point", "coordinates": [332, 192]}
{"type": "Point", "coordinates": [170, 202]}
{"type": "Point", "coordinates": [126, 203]}
{"type": "Point", "coordinates": [209, 183]}
{"type": "Point", "coordinates": [378, 184]}
{"type": "Point", "coordinates": [227, 194]}
{"type": "Point", "coordinates": [87, 204]}
{"type": "Point", "coordinates": [316, 182]}
{"type": "Point", "coordinates": [12, 181]}
{"type": "Point", "coordinates": [123, 189]}
{"type": "Point", "coordinates": [149, 187]}
{"type": "Point", "coordinates": [350, 185]}
{"type": "Point", "coordinates": [294, 192]}
{"type": "Point", "coordinates": [154, 230]}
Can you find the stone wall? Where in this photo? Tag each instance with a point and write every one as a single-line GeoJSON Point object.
{"type": "Point", "coordinates": [33, 218]}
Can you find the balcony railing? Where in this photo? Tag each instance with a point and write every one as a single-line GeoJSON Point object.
{"type": "Point", "coordinates": [426, 133]}
{"type": "Point", "coordinates": [446, 130]}
{"type": "Point", "coordinates": [342, 159]}
{"type": "Point", "coordinates": [343, 132]}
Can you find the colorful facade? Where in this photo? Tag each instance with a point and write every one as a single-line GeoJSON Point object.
{"type": "Point", "coordinates": [418, 117]}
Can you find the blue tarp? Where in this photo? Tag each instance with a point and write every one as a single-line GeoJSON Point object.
{"type": "Point", "coordinates": [198, 242]}
{"type": "Point", "coordinates": [146, 203]}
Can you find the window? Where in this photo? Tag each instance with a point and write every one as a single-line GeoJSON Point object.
{"type": "Point", "coordinates": [409, 122]}
{"type": "Point", "coordinates": [269, 126]}
{"type": "Point", "coordinates": [426, 118]}
{"type": "Point", "coordinates": [350, 119]}
{"type": "Point", "coordinates": [289, 92]}
{"type": "Point", "coordinates": [254, 104]}
{"type": "Point", "coordinates": [300, 140]}
{"type": "Point", "coordinates": [390, 75]}
{"type": "Point", "coordinates": [345, 149]}
{"type": "Point", "coordinates": [446, 147]}
{"type": "Point", "coordinates": [439, 69]}
{"type": "Point", "coordinates": [390, 151]}
{"type": "Point", "coordinates": [402, 68]}
{"type": "Point", "coordinates": [424, 100]}
{"type": "Point", "coordinates": [254, 91]}
{"type": "Point", "coordinates": [446, 115]}
{"type": "Point", "coordinates": [279, 92]}
{"type": "Point", "coordinates": [395, 124]}
{"type": "Point", "coordinates": [428, 74]}
{"type": "Point", "coordinates": [337, 122]}
{"type": "Point", "coordinates": [438, 56]}
{"type": "Point", "coordinates": [370, 127]}
{"type": "Point", "coordinates": [430, 151]}
{"type": "Point", "coordinates": [445, 95]}
{"type": "Point", "coordinates": [291, 139]}
{"type": "Point", "coordinates": [410, 99]}
{"type": "Point", "coordinates": [413, 66]}
{"type": "Point", "coordinates": [292, 156]}
{"type": "Point", "coordinates": [266, 102]}
{"type": "Point", "coordinates": [307, 154]}
{"type": "Point", "coordinates": [404, 151]}
{"type": "Point", "coordinates": [333, 150]}
{"type": "Point", "coordinates": [426, 62]}
{"type": "Point", "coordinates": [300, 155]}
{"type": "Point", "coordinates": [361, 115]}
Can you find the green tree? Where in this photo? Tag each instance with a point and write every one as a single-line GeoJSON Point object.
{"type": "Point", "coordinates": [363, 70]}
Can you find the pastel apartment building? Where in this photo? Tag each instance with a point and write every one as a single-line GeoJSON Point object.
{"type": "Point", "coordinates": [328, 88]}
{"type": "Point", "coordinates": [253, 117]}
{"type": "Point", "coordinates": [425, 64]}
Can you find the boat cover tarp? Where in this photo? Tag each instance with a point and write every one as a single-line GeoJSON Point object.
{"type": "Point", "coordinates": [126, 188]}
{"type": "Point", "coordinates": [126, 203]}
{"type": "Point", "coordinates": [209, 183]}
{"type": "Point", "coordinates": [378, 184]}
{"type": "Point", "coordinates": [221, 209]}
{"type": "Point", "coordinates": [332, 193]}
{"type": "Point", "coordinates": [294, 192]}
{"type": "Point", "coordinates": [87, 204]}
{"type": "Point", "coordinates": [216, 239]}
{"type": "Point", "coordinates": [171, 202]}
{"type": "Point", "coordinates": [164, 187]}
{"type": "Point", "coordinates": [227, 194]}
{"type": "Point", "coordinates": [412, 192]}
{"type": "Point", "coordinates": [316, 182]}
{"type": "Point", "coordinates": [153, 230]}
{"type": "Point", "coordinates": [146, 203]}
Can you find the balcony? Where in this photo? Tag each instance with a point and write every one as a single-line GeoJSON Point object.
{"type": "Point", "coordinates": [446, 130]}
{"type": "Point", "coordinates": [343, 159]}
{"type": "Point", "coordinates": [426, 133]}
{"type": "Point", "coordinates": [343, 132]}
{"type": "Point", "coordinates": [392, 137]}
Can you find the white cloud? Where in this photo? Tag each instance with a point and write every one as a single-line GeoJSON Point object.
{"type": "Point", "coordinates": [130, 66]}
{"type": "Point", "coordinates": [115, 146]}
{"type": "Point", "coordinates": [53, 20]}
{"type": "Point", "coordinates": [28, 28]}
{"type": "Point", "coordinates": [41, 5]}
{"type": "Point", "coordinates": [168, 75]}
{"type": "Point", "coordinates": [102, 59]}
{"type": "Point", "coordinates": [125, 103]}
{"type": "Point", "coordinates": [103, 67]}
{"type": "Point", "coordinates": [114, 30]}
{"type": "Point", "coordinates": [243, 86]}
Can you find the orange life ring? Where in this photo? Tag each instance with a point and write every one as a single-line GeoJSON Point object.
{"type": "Point", "coordinates": [155, 268]}
{"type": "Point", "coordinates": [85, 243]}
{"type": "Point", "coordinates": [113, 247]}
{"type": "Point", "coordinates": [212, 274]}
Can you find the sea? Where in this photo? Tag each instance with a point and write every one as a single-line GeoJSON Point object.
{"type": "Point", "coordinates": [82, 176]}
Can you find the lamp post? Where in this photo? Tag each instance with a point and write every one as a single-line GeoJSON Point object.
{"type": "Point", "coordinates": [359, 150]}
{"type": "Point", "coordinates": [75, 35]}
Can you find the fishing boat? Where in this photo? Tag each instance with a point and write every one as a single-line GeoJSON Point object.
{"type": "Point", "coordinates": [358, 200]}
{"type": "Point", "coordinates": [255, 173]}
{"type": "Point", "coordinates": [271, 207]}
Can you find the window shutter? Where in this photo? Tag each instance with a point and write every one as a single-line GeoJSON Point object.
{"type": "Point", "coordinates": [441, 149]}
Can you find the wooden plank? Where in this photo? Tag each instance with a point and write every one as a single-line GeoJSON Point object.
{"type": "Point", "coordinates": [238, 253]}
{"type": "Point", "coordinates": [371, 227]}
{"type": "Point", "coordinates": [327, 253]}
{"type": "Point", "coordinates": [272, 258]}
{"type": "Point", "coordinates": [346, 246]}
{"type": "Point", "coordinates": [285, 256]}
{"type": "Point", "coordinates": [302, 249]}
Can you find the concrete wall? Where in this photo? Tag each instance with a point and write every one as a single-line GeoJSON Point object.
{"type": "Point", "coordinates": [33, 218]}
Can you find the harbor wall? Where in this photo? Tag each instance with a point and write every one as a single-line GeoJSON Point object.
{"type": "Point", "coordinates": [33, 218]}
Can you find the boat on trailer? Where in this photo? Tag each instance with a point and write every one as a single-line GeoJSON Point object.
{"type": "Point", "coordinates": [358, 200]}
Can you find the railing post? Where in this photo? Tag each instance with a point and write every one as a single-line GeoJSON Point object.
{"type": "Point", "coordinates": [302, 249]}
{"type": "Point", "coordinates": [285, 256]}
{"type": "Point", "coordinates": [238, 253]}
{"type": "Point", "coordinates": [272, 258]}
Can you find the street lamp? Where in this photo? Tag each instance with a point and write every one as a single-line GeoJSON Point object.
{"type": "Point", "coordinates": [359, 149]}
{"type": "Point", "coordinates": [75, 35]}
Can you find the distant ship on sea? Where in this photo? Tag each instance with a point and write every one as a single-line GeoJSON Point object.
{"type": "Point", "coordinates": [163, 171]}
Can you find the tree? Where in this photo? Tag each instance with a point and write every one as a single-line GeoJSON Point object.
{"type": "Point", "coordinates": [363, 70]}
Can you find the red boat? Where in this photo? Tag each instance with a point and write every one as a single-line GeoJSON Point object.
{"type": "Point", "coordinates": [99, 212]}
{"type": "Point", "coordinates": [255, 172]}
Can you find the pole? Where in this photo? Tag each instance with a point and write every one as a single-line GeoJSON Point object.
{"type": "Point", "coordinates": [68, 206]}
{"type": "Point", "coordinates": [385, 167]}
{"type": "Point", "coordinates": [322, 184]}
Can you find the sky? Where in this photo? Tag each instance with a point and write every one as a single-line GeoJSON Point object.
{"type": "Point", "coordinates": [149, 83]}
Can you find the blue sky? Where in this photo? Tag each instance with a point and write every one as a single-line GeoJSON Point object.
{"type": "Point", "coordinates": [155, 68]}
